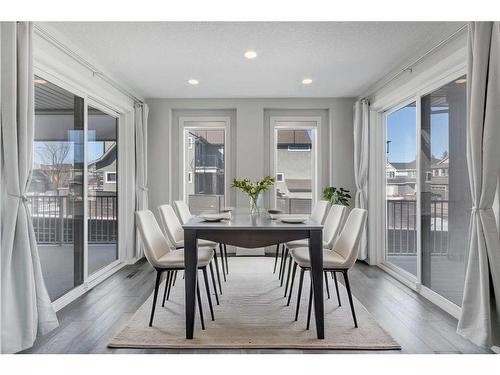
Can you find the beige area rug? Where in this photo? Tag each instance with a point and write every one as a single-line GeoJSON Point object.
{"type": "Point", "coordinates": [253, 314]}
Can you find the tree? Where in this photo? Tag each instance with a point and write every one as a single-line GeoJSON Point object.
{"type": "Point", "coordinates": [53, 156]}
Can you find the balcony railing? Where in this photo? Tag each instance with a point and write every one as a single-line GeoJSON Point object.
{"type": "Point", "coordinates": [402, 227]}
{"type": "Point", "coordinates": [54, 220]}
{"type": "Point", "coordinates": [294, 205]}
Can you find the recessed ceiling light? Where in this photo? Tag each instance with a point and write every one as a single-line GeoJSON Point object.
{"type": "Point", "coordinates": [193, 82]}
{"type": "Point", "coordinates": [307, 81]}
{"type": "Point", "coordinates": [40, 81]}
{"type": "Point", "coordinates": [250, 54]}
{"type": "Point", "coordinates": [461, 80]}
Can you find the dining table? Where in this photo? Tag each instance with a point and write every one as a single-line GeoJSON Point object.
{"type": "Point", "coordinates": [251, 231]}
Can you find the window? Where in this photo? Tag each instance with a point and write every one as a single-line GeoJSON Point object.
{"type": "Point", "coordinates": [111, 177]}
{"type": "Point", "coordinates": [102, 191]}
{"type": "Point", "coordinates": [295, 156]}
{"type": "Point", "coordinates": [204, 165]}
{"type": "Point", "coordinates": [427, 215]}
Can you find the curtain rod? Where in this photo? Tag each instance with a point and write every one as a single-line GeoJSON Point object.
{"type": "Point", "coordinates": [82, 61]}
{"type": "Point", "coordinates": [409, 67]}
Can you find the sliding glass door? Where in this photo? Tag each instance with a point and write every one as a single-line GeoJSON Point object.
{"type": "Point", "coordinates": [445, 195]}
{"type": "Point", "coordinates": [401, 188]}
{"type": "Point", "coordinates": [427, 189]}
{"type": "Point", "coordinates": [102, 189]}
{"type": "Point", "coordinates": [75, 155]}
{"type": "Point", "coordinates": [56, 190]}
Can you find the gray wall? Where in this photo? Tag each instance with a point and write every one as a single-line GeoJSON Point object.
{"type": "Point", "coordinates": [249, 138]}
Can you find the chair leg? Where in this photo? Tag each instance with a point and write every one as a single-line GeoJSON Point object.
{"type": "Point", "coordinates": [291, 284]}
{"type": "Point", "coordinates": [170, 284]}
{"type": "Point", "coordinates": [199, 306]}
{"type": "Point", "coordinates": [213, 282]}
{"type": "Point", "coordinates": [349, 294]}
{"type": "Point", "coordinates": [217, 269]}
{"type": "Point", "coordinates": [281, 260]}
{"type": "Point", "coordinates": [309, 307]}
{"type": "Point", "coordinates": [285, 256]}
{"type": "Point", "coordinates": [225, 256]}
{"type": "Point", "coordinates": [155, 297]}
{"type": "Point", "coordinates": [222, 261]}
{"type": "Point", "coordinates": [175, 278]}
{"type": "Point", "coordinates": [334, 275]}
{"type": "Point", "coordinates": [288, 275]}
{"type": "Point", "coordinates": [327, 286]}
{"type": "Point", "coordinates": [299, 294]}
{"type": "Point", "coordinates": [207, 288]}
{"type": "Point", "coordinates": [167, 281]}
{"type": "Point", "coordinates": [276, 257]}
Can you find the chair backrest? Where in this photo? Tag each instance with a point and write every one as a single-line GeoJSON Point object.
{"type": "Point", "coordinates": [348, 243]}
{"type": "Point", "coordinates": [171, 225]}
{"type": "Point", "coordinates": [183, 211]}
{"type": "Point", "coordinates": [318, 213]}
{"type": "Point", "coordinates": [155, 243]}
{"type": "Point", "coordinates": [333, 224]}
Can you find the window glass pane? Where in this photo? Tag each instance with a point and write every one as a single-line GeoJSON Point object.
{"type": "Point", "coordinates": [401, 189]}
{"type": "Point", "coordinates": [204, 169]}
{"type": "Point", "coordinates": [102, 190]}
{"type": "Point", "coordinates": [56, 190]}
{"type": "Point", "coordinates": [295, 166]}
{"type": "Point", "coordinates": [445, 197]}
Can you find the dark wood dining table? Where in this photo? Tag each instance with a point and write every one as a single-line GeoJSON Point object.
{"type": "Point", "coordinates": [252, 231]}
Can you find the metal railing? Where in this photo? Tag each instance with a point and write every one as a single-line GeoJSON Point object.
{"type": "Point", "coordinates": [54, 218]}
{"type": "Point", "coordinates": [401, 227]}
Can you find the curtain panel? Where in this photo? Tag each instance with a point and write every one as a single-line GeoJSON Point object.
{"type": "Point", "coordinates": [25, 303]}
{"type": "Point", "coordinates": [361, 151]}
{"type": "Point", "coordinates": [141, 165]}
{"type": "Point", "coordinates": [480, 317]}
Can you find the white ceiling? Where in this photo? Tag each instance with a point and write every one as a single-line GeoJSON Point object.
{"type": "Point", "coordinates": [343, 58]}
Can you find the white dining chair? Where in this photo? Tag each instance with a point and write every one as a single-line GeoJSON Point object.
{"type": "Point", "coordinates": [340, 258]}
{"type": "Point", "coordinates": [175, 234]}
{"type": "Point", "coordinates": [184, 214]}
{"type": "Point", "coordinates": [318, 215]}
{"type": "Point", "coordinates": [183, 211]}
{"type": "Point", "coordinates": [331, 229]}
{"type": "Point", "coordinates": [160, 255]}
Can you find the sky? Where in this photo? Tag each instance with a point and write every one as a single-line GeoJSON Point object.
{"type": "Point", "coordinates": [401, 131]}
{"type": "Point", "coordinates": [95, 149]}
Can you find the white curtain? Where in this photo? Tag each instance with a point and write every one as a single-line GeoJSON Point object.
{"type": "Point", "coordinates": [361, 120]}
{"type": "Point", "coordinates": [141, 164]}
{"type": "Point", "coordinates": [480, 318]}
{"type": "Point", "coordinates": [26, 307]}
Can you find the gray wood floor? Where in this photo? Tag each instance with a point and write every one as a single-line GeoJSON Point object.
{"type": "Point", "coordinates": [87, 324]}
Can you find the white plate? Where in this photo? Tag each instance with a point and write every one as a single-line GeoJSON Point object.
{"type": "Point", "coordinates": [216, 217]}
{"type": "Point", "coordinates": [293, 220]}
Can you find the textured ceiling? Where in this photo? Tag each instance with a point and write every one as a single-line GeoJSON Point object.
{"type": "Point", "coordinates": [343, 58]}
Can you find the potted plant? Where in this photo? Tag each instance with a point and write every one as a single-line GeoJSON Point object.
{"type": "Point", "coordinates": [253, 189]}
{"type": "Point", "coordinates": [336, 195]}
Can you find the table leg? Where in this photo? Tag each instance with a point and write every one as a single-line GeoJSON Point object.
{"type": "Point", "coordinates": [190, 275]}
{"type": "Point", "coordinates": [316, 256]}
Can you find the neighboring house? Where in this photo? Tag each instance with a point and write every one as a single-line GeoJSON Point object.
{"type": "Point", "coordinates": [102, 175]}
{"type": "Point", "coordinates": [401, 179]}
